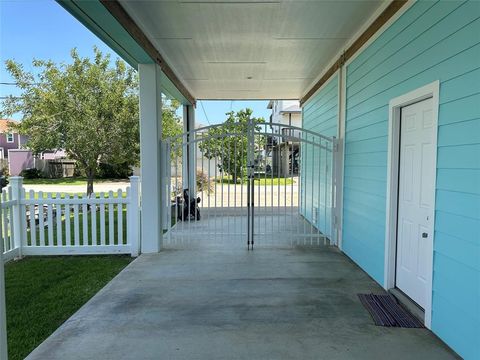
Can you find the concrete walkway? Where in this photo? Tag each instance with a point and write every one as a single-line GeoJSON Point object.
{"type": "Point", "coordinates": [221, 304]}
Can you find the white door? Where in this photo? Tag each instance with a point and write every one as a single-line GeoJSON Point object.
{"type": "Point", "coordinates": [415, 200]}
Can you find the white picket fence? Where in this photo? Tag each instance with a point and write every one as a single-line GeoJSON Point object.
{"type": "Point", "coordinates": [38, 223]}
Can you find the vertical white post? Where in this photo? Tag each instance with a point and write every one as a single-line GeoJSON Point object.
{"type": "Point", "coordinates": [133, 216]}
{"type": "Point", "coordinates": [150, 157]}
{"type": "Point", "coordinates": [16, 182]}
{"type": "Point", "coordinates": [165, 185]}
{"type": "Point", "coordinates": [188, 154]}
{"type": "Point", "coordinates": [3, 316]}
{"type": "Point", "coordinates": [339, 156]}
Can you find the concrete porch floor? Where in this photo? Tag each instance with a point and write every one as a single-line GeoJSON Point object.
{"type": "Point", "coordinates": [298, 303]}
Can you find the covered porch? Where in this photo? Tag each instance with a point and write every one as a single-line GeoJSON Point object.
{"type": "Point", "coordinates": [298, 303]}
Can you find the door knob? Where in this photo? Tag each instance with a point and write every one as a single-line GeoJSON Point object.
{"type": "Point", "coordinates": [424, 235]}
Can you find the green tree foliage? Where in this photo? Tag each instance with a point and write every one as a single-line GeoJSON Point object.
{"type": "Point", "coordinates": [231, 150]}
{"type": "Point", "coordinates": [87, 107]}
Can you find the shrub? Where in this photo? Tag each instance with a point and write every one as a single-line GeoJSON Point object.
{"type": "Point", "coordinates": [118, 171]}
{"type": "Point", "coordinates": [203, 183]}
{"type": "Point", "coordinates": [31, 174]}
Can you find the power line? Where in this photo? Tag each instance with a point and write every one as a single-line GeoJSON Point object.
{"type": "Point", "coordinates": [16, 84]}
{"type": "Point", "coordinates": [205, 113]}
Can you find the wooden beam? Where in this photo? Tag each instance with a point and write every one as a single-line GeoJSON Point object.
{"type": "Point", "coordinates": [381, 20]}
{"type": "Point", "coordinates": [119, 13]}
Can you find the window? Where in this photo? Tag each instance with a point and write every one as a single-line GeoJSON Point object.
{"type": "Point", "coordinates": [9, 138]}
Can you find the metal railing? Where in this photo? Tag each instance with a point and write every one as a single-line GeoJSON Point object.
{"type": "Point", "coordinates": [289, 190]}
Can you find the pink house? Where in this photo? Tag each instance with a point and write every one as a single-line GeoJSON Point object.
{"type": "Point", "coordinates": [9, 139]}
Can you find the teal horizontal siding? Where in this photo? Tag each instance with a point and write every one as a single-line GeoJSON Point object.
{"type": "Point", "coordinates": [464, 61]}
{"type": "Point", "coordinates": [460, 203]}
{"type": "Point", "coordinates": [455, 323]}
{"type": "Point", "coordinates": [459, 133]}
{"type": "Point", "coordinates": [430, 41]}
{"type": "Point", "coordinates": [367, 145]}
{"type": "Point", "coordinates": [459, 157]}
{"type": "Point", "coordinates": [459, 180]}
{"type": "Point", "coordinates": [465, 252]}
{"type": "Point", "coordinates": [320, 114]}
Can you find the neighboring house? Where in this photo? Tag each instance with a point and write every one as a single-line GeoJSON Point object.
{"type": "Point", "coordinates": [9, 139]}
{"type": "Point", "coordinates": [286, 112]}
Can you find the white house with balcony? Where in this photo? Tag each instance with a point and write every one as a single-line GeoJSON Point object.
{"type": "Point", "coordinates": [284, 152]}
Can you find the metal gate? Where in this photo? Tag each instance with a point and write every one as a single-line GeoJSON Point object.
{"type": "Point", "coordinates": [249, 184]}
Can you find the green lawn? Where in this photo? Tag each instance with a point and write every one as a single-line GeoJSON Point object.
{"type": "Point", "coordinates": [80, 223]}
{"type": "Point", "coordinates": [43, 292]}
{"type": "Point", "coordinates": [80, 195]}
{"type": "Point", "coordinates": [68, 181]}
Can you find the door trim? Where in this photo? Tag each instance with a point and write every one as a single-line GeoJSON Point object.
{"type": "Point", "coordinates": [428, 91]}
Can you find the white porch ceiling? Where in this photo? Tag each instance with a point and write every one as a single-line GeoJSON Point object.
{"type": "Point", "coordinates": [241, 49]}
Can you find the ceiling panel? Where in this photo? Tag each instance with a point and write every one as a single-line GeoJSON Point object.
{"type": "Point", "coordinates": [244, 49]}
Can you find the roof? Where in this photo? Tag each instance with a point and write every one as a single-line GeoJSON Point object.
{"type": "Point", "coordinates": [4, 124]}
{"type": "Point", "coordinates": [291, 109]}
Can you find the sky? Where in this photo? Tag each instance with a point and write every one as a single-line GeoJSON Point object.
{"type": "Point", "coordinates": [42, 29]}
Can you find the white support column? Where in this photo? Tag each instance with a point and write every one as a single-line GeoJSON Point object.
{"type": "Point", "coordinates": [3, 317]}
{"type": "Point", "coordinates": [165, 184]}
{"type": "Point", "coordinates": [150, 157]}
{"type": "Point", "coordinates": [188, 160]}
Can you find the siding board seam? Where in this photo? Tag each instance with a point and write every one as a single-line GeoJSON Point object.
{"type": "Point", "coordinates": [457, 238]}
{"type": "Point", "coordinates": [458, 215]}
{"type": "Point", "coordinates": [441, 253]}
{"type": "Point", "coordinates": [460, 98]}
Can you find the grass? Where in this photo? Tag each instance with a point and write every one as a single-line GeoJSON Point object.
{"type": "Point", "coordinates": [258, 181]}
{"type": "Point", "coordinates": [83, 241]}
{"type": "Point", "coordinates": [43, 292]}
{"type": "Point", "coordinates": [80, 195]}
{"type": "Point", "coordinates": [68, 181]}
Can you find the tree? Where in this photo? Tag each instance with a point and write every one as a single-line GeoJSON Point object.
{"type": "Point", "coordinates": [228, 143]}
{"type": "Point", "coordinates": [89, 108]}
{"type": "Point", "coordinates": [172, 125]}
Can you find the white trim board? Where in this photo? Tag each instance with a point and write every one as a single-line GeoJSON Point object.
{"type": "Point", "coordinates": [428, 91]}
{"type": "Point", "coordinates": [359, 32]}
{"type": "Point", "coordinates": [342, 106]}
{"type": "Point", "coordinates": [320, 88]}
{"type": "Point", "coordinates": [380, 31]}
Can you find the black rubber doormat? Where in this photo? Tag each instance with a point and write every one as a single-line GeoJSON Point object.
{"type": "Point", "coordinates": [386, 311]}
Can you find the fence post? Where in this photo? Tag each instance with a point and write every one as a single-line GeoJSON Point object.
{"type": "Point", "coordinates": [133, 216]}
{"type": "Point", "coordinates": [16, 183]}
{"type": "Point", "coordinates": [3, 317]}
